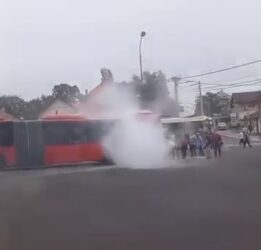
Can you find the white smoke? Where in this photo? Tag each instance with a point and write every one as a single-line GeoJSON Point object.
{"type": "Point", "coordinates": [136, 143]}
{"type": "Point", "coordinates": [133, 141]}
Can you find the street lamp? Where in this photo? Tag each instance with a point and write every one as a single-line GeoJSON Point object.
{"type": "Point", "coordinates": [142, 34]}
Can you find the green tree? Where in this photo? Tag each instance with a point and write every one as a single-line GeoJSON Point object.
{"type": "Point", "coordinates": [154, 87]}
{"type": "Point", "coordinates": [14, 105]}
{"type": "Point", "coordinates": [36, 106]}
{"type": "Point", "coordinates": [66, 93]}
{"type": "Point", "coordinates": [154, 92]}
{"type": "Point", "coordinates": [214, 104]}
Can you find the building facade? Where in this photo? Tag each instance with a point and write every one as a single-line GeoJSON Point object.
{"type": "Point", "coordinates": [245, 110]}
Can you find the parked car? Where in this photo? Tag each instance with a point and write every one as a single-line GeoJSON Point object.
{"type": "Point", "coordinates": [222, 126]}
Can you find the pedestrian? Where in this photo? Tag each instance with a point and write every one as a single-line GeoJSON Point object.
{"type": "Point", "coordinates": [246, 140]}
{"type": "Point", "coordinates": [241, 139]}
{"type": "Point", "coordinates": [184, 147]}
{"type": "Point", "coordinates": [199, 144]}
{"type": "Point", "coordinates": [208, 143]}
{"type": "Point", "coordinates": [192, 145]}
{"type": "Point", "coordinates": [172, 145]}
{"type": "Point", "coordinates": [250, 128]}
{"type": "Point", "coordinates": [217, 144]}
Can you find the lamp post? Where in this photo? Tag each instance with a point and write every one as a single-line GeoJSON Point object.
{"type": "Point", "coordinates": [142, 34]}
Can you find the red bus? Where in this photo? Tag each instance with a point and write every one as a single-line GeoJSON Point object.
{"type": "Point", "coordinates": [53, 140]}
{"type": "Point", "coordinates": [56, 140]}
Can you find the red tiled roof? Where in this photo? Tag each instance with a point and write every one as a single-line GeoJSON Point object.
{"type": "Point", "coordinates": [92, 105]}
{"type": "Point", "coordinates": [5, 116]}
{"type": "Point", "coordinates": [97, 89]}
{"type": "Point", "coordinates": [64, 117]}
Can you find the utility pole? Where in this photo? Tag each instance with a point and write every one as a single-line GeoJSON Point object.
{"type": "Point", "coordinates": [200, 99]}
{"type": "Point", "coordinates": [175, 81]}
{"type": "Point", "coordinates": [142, 34]}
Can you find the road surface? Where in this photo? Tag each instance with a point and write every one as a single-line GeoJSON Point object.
{"type": "Point", "coordinates": [193, 204]}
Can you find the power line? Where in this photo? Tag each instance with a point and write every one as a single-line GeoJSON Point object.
{"type": "Point", "coordinates": [209, 85]}
{"type": "Point", "coordinates": [190, 81]}
{"type": "Point", "coordinates": [232, 83]}
{"type": "Point", "coordinates": [234, 86]}
{"type": "Point", "coordinates": [222, 70]}
{"type": "Point", "coordinates": [246, 83]}
{"type": "Point", "coordinates": [218, 82]}
{"type": "Point", "coordinates": [243, 86]}
{"type": "Point", "coordinates": [238, 79]}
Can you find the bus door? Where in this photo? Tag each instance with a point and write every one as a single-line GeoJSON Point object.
{"type": "Point", "coordinates": [35, 143]}
{"type": "Point", "coordinates": [21, 144]}
{"type": "Point", "coordinates": [59, 147]}
{"type": "Point", "coordinates": [7, 147]}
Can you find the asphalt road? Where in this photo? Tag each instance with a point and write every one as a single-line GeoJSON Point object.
{"type": "Point", "coordinates": [194, 204]}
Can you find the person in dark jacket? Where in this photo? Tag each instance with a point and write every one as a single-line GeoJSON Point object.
{"type": "Point", "coordinates": [208, 145]}
{"type": "Point", "coordinates": [250, 128]}
{"type": "Point", "coordinates": [192, 145]}
{"type": "Point", "coordinates": [184, 147]}
{"type": "Point", "coordinates": [217, 144]}
{"type": "Point", "coordinates": [246, 140]}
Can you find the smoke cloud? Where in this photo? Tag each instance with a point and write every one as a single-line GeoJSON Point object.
{"type": "Point", "coordinates": [137, 144]}
{"type": "Point", "coordinates": [134, 141]}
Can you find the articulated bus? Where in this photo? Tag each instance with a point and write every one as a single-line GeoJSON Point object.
{"type": "Point", "coordinates": [54, 140]}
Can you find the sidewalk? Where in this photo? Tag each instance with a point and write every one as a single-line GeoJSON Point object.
{"type": "Point", "coordinates": [235, 135]}
{"type": "Point", "coordinates": [255, 138]}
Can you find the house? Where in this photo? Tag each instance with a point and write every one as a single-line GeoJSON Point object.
{"type": "Point", "coordinates": [59, 107]}
{"type": "Point", "coordinates": [4, 116]}
{"type": "Point", "coordinates": [245, 109]}
{"type": "Point", "coordinates": [92, 105]}
{"type": "Point", "coordinates": [96, 103]}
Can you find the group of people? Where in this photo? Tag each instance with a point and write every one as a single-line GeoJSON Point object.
{"type": "Point", "coordinates": [244, 139]}
{"type": "Point", "coordinates": [197, 144]}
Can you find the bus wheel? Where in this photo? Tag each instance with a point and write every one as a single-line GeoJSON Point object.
{"type": "Point", "coordinates": [107, 161]}
{"type": "Point", "coordinates": [2, 162]}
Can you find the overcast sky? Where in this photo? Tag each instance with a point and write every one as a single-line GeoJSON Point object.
{"type": "Point", "coordinates": [48, 42]}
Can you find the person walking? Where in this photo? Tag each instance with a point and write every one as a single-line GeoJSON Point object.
{"type": "Point", "coordinates": [184, 147]}
{"type": "Point", "coordinates": [208, 145]}
{"type": "Point", "coordinates": [199, 144]}
{"type": "Point", "coordinates": [250, 128]}
{"type": "Point", "coordinates": [172, 145]}
{"type": "Point", "coordinates": [247, 140]}
{"type": "Point", "coordinates": [241, 139]}
{"type": "Point", "coordinates": [217, 144]}
{"type": "Point", "coordinates": [192, 145]}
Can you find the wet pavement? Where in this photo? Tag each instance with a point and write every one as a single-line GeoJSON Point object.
{"type": "Point", "coordinates": [192, 204]}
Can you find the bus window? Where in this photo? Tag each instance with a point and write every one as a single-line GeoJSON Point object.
{"type": "Point", "coordinates": [6, 134]}
{"type": "Point", "coordinates": [64, 132]}
{"type": "Point", "coordinates": [78, 134]}
{"type": "Point", "coordinates": [96, 130]}
{"type": "Point", "coordinates": [56, 133]}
